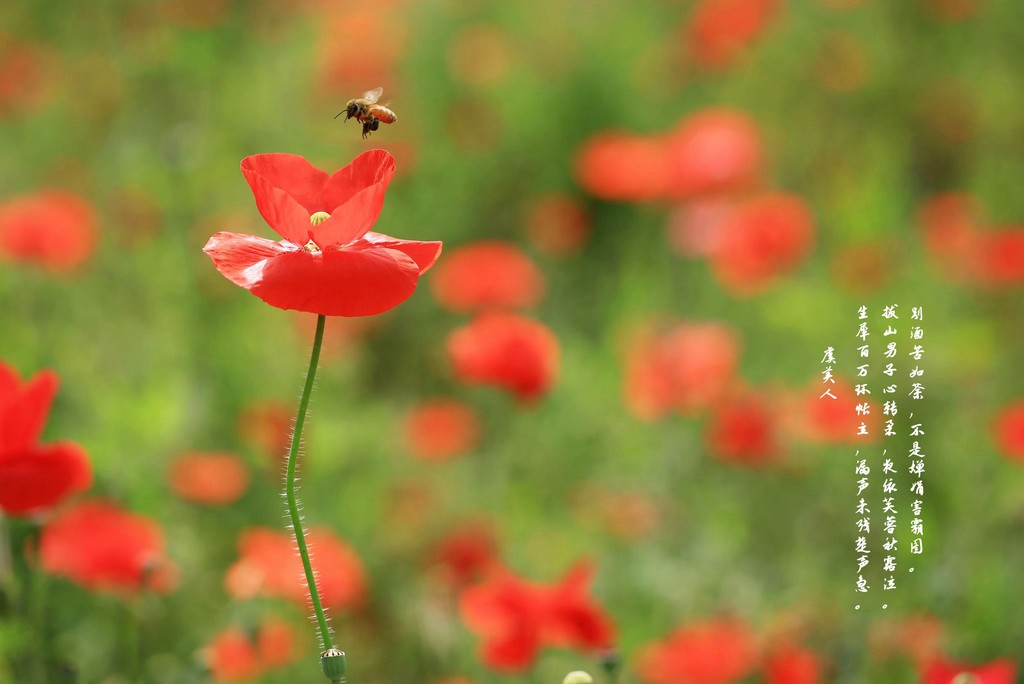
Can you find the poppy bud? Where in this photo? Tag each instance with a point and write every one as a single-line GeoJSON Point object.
{"type": "Point", "coordinates": [966, 678]}
{"type": "Point", "coordinates": [332, 662]}
{"type": "Point", "coordinates": [578, 677]}
{"type": "Point", "coordinates": [318, 217]}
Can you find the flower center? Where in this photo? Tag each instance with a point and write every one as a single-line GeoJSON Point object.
{"type": "Point", "coordinates": [311, 247]}
{"type": "Point", "coordinates": [319, 217]}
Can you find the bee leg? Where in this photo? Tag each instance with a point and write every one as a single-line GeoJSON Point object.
{"type": "Point", "coordinates": [366, 128]}
{"type": "Point", "coordinates": [374, 123]}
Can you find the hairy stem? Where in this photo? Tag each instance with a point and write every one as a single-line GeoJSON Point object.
{"type": "Point", "coordinates": [289, 487]}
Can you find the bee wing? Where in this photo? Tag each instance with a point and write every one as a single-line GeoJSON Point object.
{"type": "Point", "coordinates": [372, 96]}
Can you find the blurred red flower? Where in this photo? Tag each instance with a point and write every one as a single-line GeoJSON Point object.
{"type": "Point", "coordinates": [234, 655]}
{"type": "Point", "coordinates": [623, 167]}
{"type": "Point", "coordinates": [695, 228]}
{"type": "Point", "coordinates": [766, 237]}
{"type": "Point", "coordinates": [465, 553]}
{"type": "Point", "coordinates": [835, 421]}
{"type": "Point", "coordinates": [267, 426]}
{"type": "Point", "coordinates": [503, 349]}
{"type": "Point", "coordinates": [209, 478]}
{"type": "Point", "coordinates": [269, 566]}
{"type": "Point", "coordinates": [101, 547]}
{"type": "Point", "coordinates": [516, 618]}
{"type": "Point", "coordinates": [51, 228]}
{"type": "Point", "coordinates": [712, 652]}
{"type": "Point", "coordinates": [721, 29]}
{"type": "Point", "coordinates": [441, 429]}
{"type": "Point", "coordinates": [999, 257]}
{"type": "Point", "coordinates": [743, 431]}
{"type": "Point", "coordinates": [1009, 431]}
{"type": "Point", "coordinates": [335, 267]}
{"type": "Point", "coordinates": [487, 274]}
{"type": "Point", "coordinates": [793, 665]}
{"type": "Point", "coordinates": [947, 672]}
{"type": "Point", "coordinates": [684, 368]}
{"type": "Point", "coordinates": [713, 151]}
{"type": "Point", "coordinates": [23, 79]}
{"type": "Point", "coordinates": [948, 224]}
{"type": "Point", "coordinates": [557, 224]}
{"type": "Point", "coordinates": [34, 477]}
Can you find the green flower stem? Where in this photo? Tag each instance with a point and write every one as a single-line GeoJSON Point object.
{"type": "Point", "coordinates": [289, 487]}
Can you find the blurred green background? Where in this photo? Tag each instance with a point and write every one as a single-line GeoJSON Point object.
{"type": "Point", "coordinates": [867, 110]}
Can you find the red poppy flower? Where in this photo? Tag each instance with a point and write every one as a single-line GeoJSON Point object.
{"type": "Point", "coordinates": [685, 368]}
{"type": "Point", "coordinates": [465, 553]}
{"type": "Point", "coordinates": [713, 151]}
{"type": "Point", "coordinates": [34, 477]}
{"type": "Point", "coordinates": [623, 167]}
{"type": "Point", "coordinates": [712, 652]}
{"type": "Point", "coordinates": [946, 672]}
{"type": "Point", "coordinates": [743, 431]}
{"type": "Point", "coordinates": [101, 547]}
{"type": "Point", "coordinates": [1009, 431]}
{"type": "Point", "coordinates": [269, 566]}
{"type": "Point", "coordinates": [54, 229]}
{"type": "Point", "coordinates": [441, 429]}
{"type": "Point", "coordinates": [722, 29]}
{"type": "Point", "coordinates": [506, 350]}
{"type": "Point", "coordinates": [328, 262]}
{"type": "Point", "coordinates": [557, 224]}
{"type": "Point", "coordinates": [999, 257]}
{"type": "Point", "coordinates": [515, 617]}
{"type": "Point", "coordinates": [487, 274]}
{"type": "Point", "coordinates": [212, 479]}
{"type": "Point", "coordinates": [234, 655]}
{"type": "Point", "coordinates": [764, 238]}
{"type": "Point", "coordinates": [792, 665]}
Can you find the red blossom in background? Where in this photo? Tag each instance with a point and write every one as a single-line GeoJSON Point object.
{"type": "Point", "coordinates": [336, 267]}
{"type": "Point", "coordinates": [269, 566]}
{"type": "Point", "coordinates": [503, 349]}
{"type": "Point", "coordinates": [52, 228]}
{"type": "Point", "coordinates": [947, 672]}
{"type": "Point", "coordinates": [964, 248]}
{"type": "Point", "coordinates": [267, 426]}
{"type": "Point", "coordinates": [234, 655]}
{"type": "Point", "coordinates": [487, 274]}
{"type": "Point", "coordinates": [623, 167]}
{"type": "Point", "coordinates": [558, 224]}
{"type": "Point", "coordinates": [34, 477]}
{"type": "Point", "coordinates": [441, 429]}
{"type": "Point", "coordinates": [713, 151]}
{"type": "Point", "coordinates": [743, 431]}
{"type": "Point", "coordinates": [101, 547]}
{"type": "Point", "coordinates": [763, 239]}
{"type": "Point", "coordinates": [516, 618]}
{"type": "Point", "coordinates": [793, 665]}
{"type": "Point", "coordinates": [466, 553]}
{"type": "Point", "coordinates": [712, 652]}
{"type": "Point", "coordinates": [213, 479]}
{"type": "Point", "coordinates": [721, 30]}
{"type": "Point", "coordinates": [685, 368]}
{"type": "Point", "coordinates": [819, 419]}
{"type": "Point", "coordinates": [1009, 431]}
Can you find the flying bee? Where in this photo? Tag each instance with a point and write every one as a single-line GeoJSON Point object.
{"type": "Point", "coordinates": [366, 111]}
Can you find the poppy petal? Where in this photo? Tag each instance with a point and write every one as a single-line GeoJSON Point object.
{"type": "Point", "coordinates": [356, 196]}
{"type": "Point", "coordinates": [338, 282]}
{"type": "Point", "coordinates": [242, 258]}
{"type": "Point", "coordinates": [423, 253]}
{"type": "Point", "coordinates": [281, 209]}
{"type": "Point", "coordinates": [23, 411]}
{"type": "Point", "coordinates": [40, 478]}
